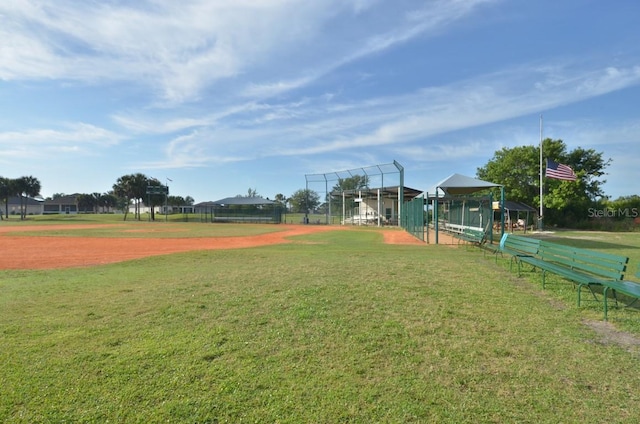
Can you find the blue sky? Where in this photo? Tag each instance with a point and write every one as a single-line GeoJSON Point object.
{"type": "Point", "coordinates": [226, 96]}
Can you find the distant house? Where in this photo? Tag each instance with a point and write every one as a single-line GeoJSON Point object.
{"type": "Point", "coordinates": [61, 205]}
{"type": "Point", "coordinates": [33, 206]}
{"type": "Point", "coordinates": [161, 209]}
{"type": "Point", "coordinates": [143, 208]}
{"type": "Point", "coordinates": [182, 209]}
{"type": "Point", "coordinates": [203, 207]}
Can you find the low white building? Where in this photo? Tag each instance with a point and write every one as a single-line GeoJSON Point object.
{"type": "Point", "coordinates": [32, 206]}
{"type": "Point", "coordinates": [61, 205]}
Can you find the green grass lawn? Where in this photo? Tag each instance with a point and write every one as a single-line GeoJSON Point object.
{"type": "Point", "coordinates": [341, 328]}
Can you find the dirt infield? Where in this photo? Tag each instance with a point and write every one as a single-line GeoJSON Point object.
{"type": "Point", "coordinates": [25, 252]}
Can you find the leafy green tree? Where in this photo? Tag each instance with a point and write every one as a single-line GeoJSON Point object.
{"type": "Point", "coordinates": [251, 192]}
{"type": "Point", "coordinates": [175, 201]}
{"type": "Point", "coordinates": [629, 204]}
{"type": "Point", "coordinates": [354, 182]}
{"type": "Point", "coordinates": [517, 169]}
{"type": "Point", "coordinates": [281, 200]}
{"type": "Point", "coordinates": [304, 201]}
{"type": "Point", "coordinates": [565, 202]}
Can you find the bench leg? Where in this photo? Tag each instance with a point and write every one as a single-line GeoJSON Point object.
{"type": "Point", "coordinates": [579, 291]}
{"type": "Point", "coordinates": [604, 294]}
{"type": "Point", "coordinates": [593, 293]}
{"type": "Point", "coordinates": [519, 262]}
{"type": "Point", "coordinates": [615, 297]}
{"type": "Point", "coordinates": [590, 289]}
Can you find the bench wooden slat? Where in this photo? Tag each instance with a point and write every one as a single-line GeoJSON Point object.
{"type": "Point", "coordinates": [603, 260]}
{"type": "Point", "coordinates": [583, 262]}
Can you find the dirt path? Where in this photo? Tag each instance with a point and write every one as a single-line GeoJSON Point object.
{"type": "Point", "coordinates": [25, 252]}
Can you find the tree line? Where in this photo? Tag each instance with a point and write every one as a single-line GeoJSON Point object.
{"type": "Point", "coordinates": [574, 204]}
{"type": "Point", "coordinates": [134, 187]}
{"type": "Point", "coordinates": [127, 189]}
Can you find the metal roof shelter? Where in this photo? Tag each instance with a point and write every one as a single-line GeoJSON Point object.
{"type": "Point", "coordinates": [457, 185]}
{"type": "Point", "coordinates": [517, 207]}
{"type": "Point", "coordinates": [240, 200]}
{"type": "Point", "coordinates": [254, 209]}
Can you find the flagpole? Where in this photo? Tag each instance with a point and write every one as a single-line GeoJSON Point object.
{"type": "Point", "coordinates": [540, 222]}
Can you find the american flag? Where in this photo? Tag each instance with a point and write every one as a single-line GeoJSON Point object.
{"type": "Point", "coordinates": [559, 171]}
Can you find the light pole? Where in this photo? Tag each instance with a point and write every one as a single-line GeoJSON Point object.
{"type": "Point", "coordinates": [166, 197]}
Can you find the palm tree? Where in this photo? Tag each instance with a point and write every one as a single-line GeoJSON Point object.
{"type": "Point", "coordinates": [123, 188]}
{"type": "Point", "coordinates": [97, 197]}
{"type": "Point", "coordinates": [281, 199]}
{"type": "Point", "coordinates": [26, 187]}
{"type": "Point", "coordinates": [132, 186]}
{"type": "Point", "coordinates": [85, 202]}
{"type": "Point", "coordinates": [140, 183]}
{"type": "Point", "coordinates": [108, 201]}
{"type": "Point", "coordinates": [154, 199]}
{"type": "Point", "coordinates": [5, 193]}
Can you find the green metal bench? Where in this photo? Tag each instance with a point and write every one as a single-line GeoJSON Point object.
{"type": "Point", "coordinates": [586, 268]}
{"type": "Point", "coordinates": [491, 248]}
{"type": "Point", "coordinates": [628, 288]}
{"type": "Point", "coordinates": [582, 266]}
{"type": "Point", "coordinates": [470, 235]}
{"type": "Point", "coordinates": [520, 249]}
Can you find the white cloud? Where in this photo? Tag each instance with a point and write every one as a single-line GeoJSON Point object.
{"type": "Point", "coordinates": [314, 126]}
{"type": "Point", "coordinates": [181, 49]}
{"type": "Point", "coordinates": [177, 47]}
{"type": "Point", "coordinates": [77, 133]}
{"type": "Point", "coordinates": [75, 138]}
